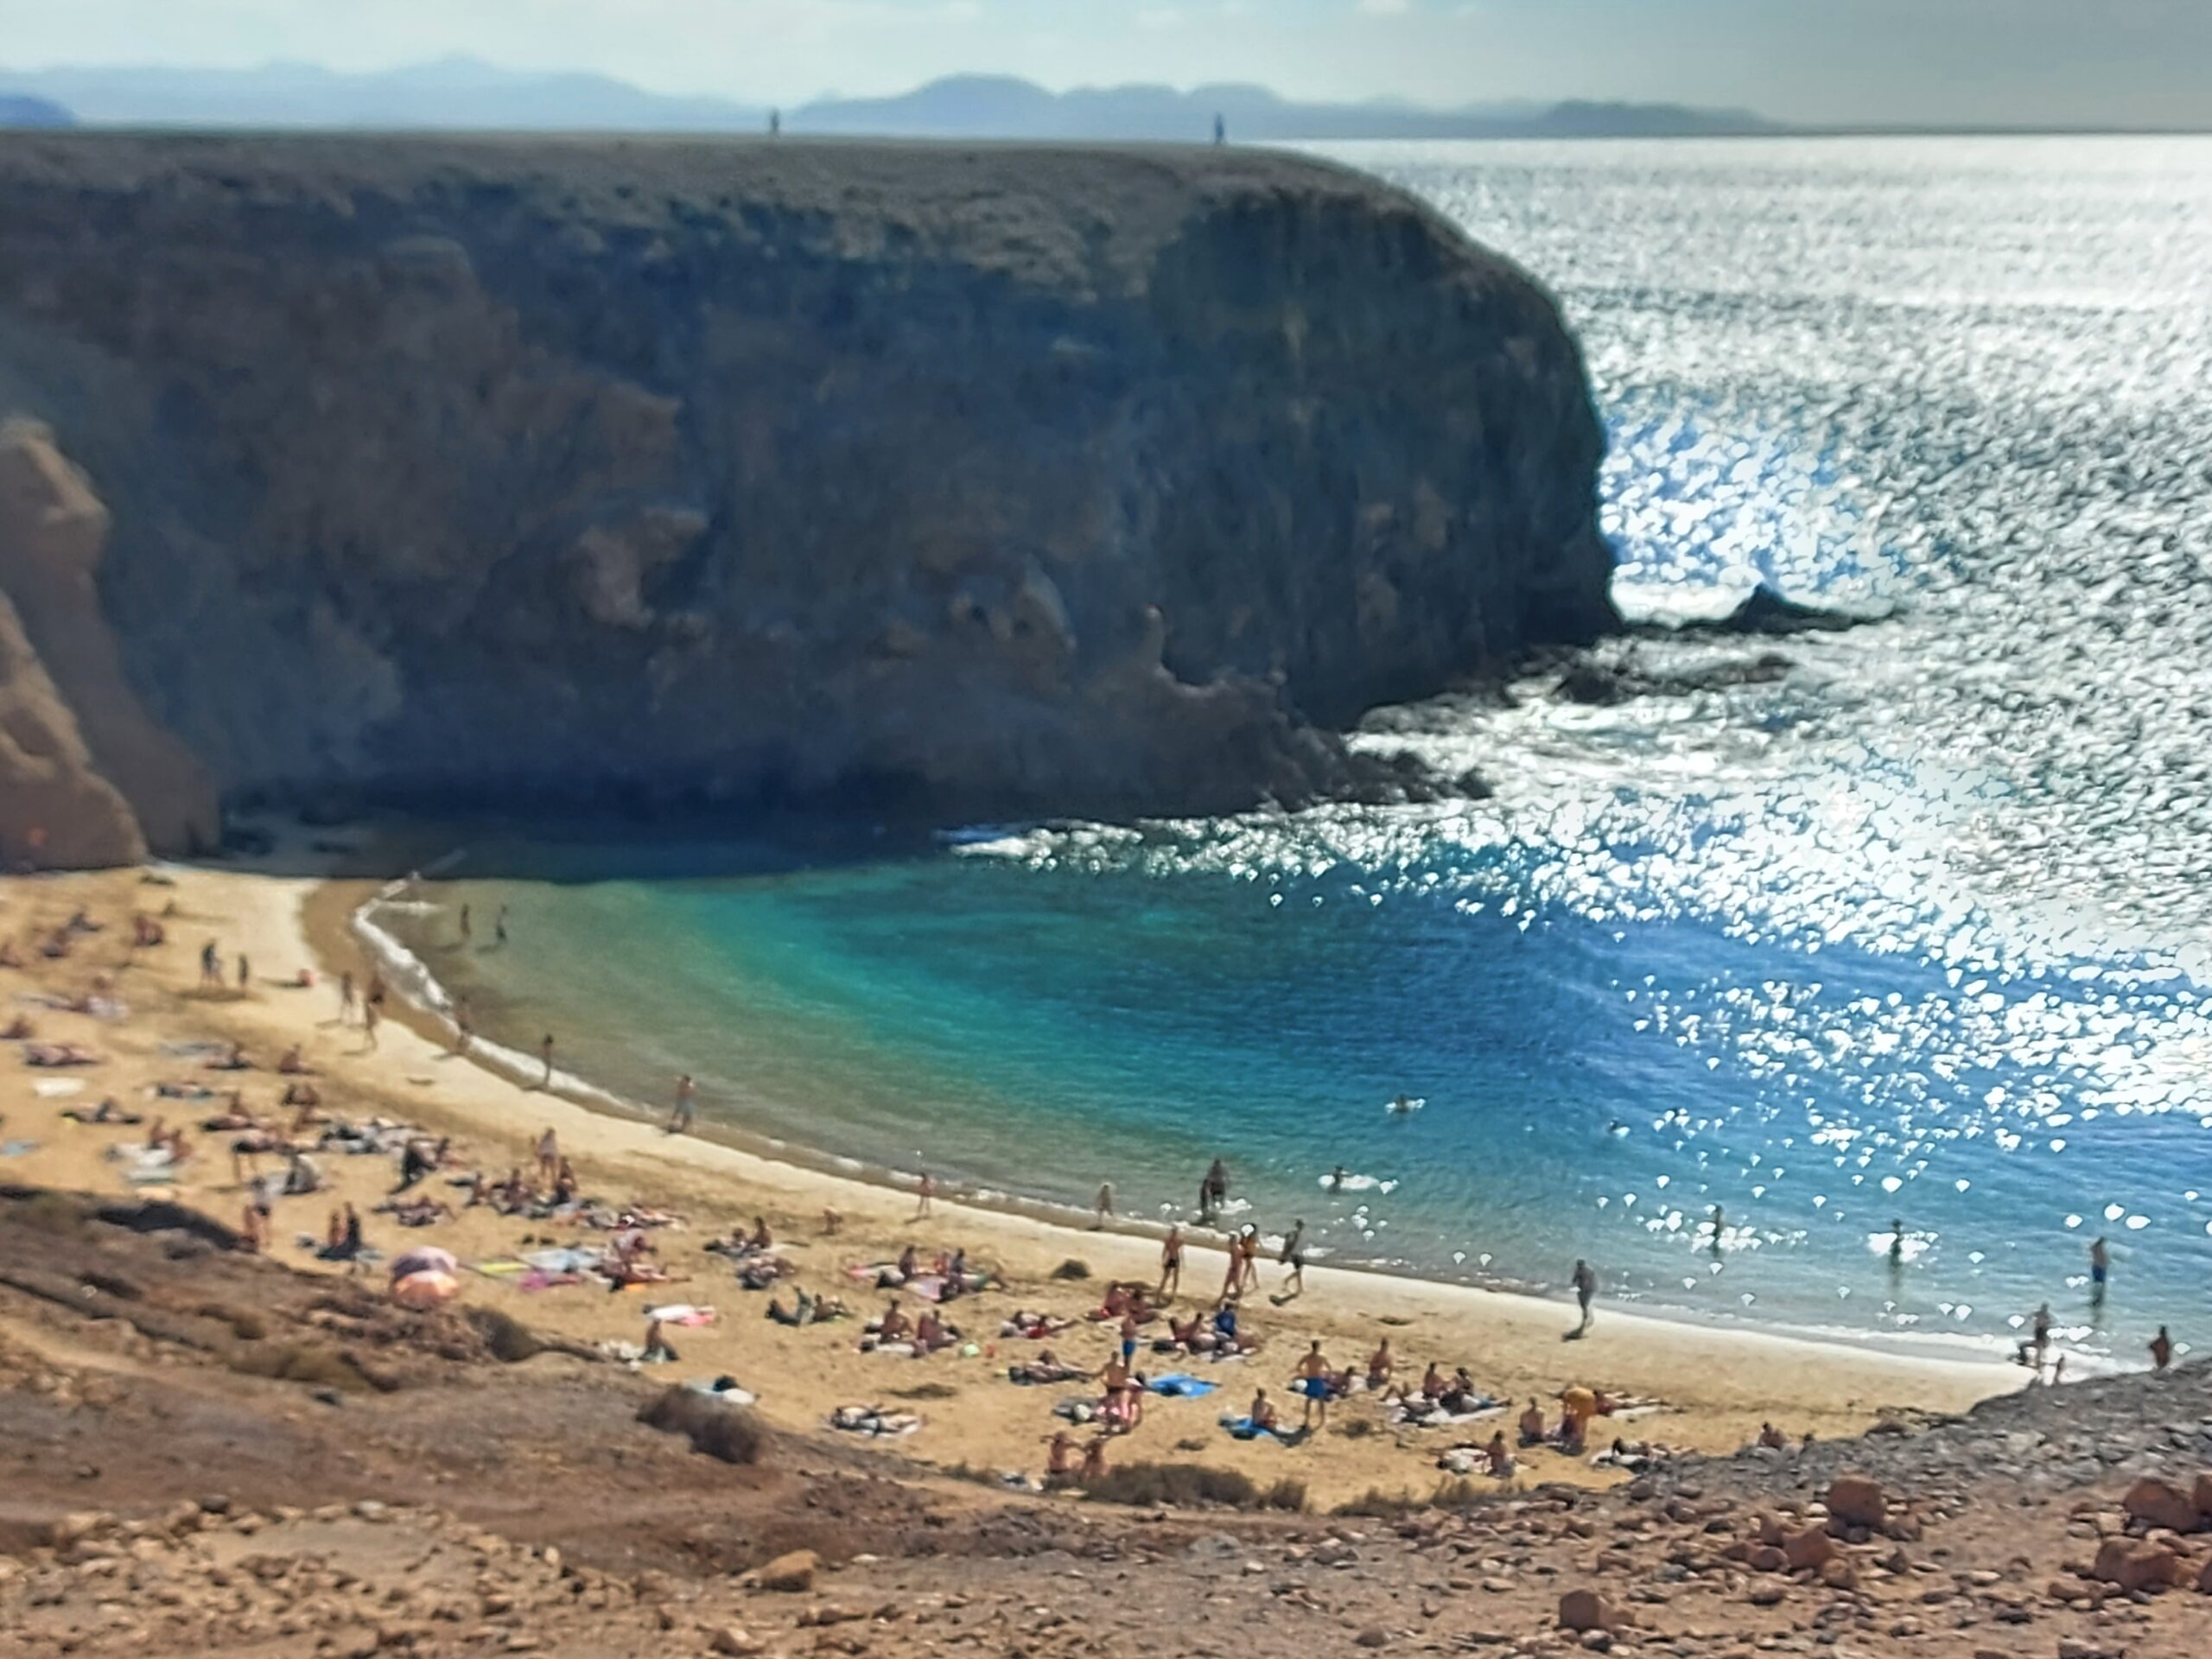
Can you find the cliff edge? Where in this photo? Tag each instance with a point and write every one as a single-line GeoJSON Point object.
{"type": "Point", "coordinates": [942, 480]}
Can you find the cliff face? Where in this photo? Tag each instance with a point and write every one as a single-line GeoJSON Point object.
{"type": "Point", "coordinates": [969, 481]}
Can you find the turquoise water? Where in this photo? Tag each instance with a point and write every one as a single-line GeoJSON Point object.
{"type": "Point", "coordinates": [1913, 924]}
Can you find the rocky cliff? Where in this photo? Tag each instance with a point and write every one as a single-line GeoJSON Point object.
{"type": "Point", "coordinates": [937, 480]}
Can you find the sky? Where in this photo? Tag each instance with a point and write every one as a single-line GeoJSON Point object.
{"type": "Point", "coordinates": [2070, 63]}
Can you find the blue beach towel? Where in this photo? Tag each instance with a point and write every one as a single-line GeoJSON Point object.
{"type": "Point", "coordinates": [1181, 1388]}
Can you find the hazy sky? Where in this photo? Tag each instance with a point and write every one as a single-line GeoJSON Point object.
{"type": "Point", "coordinates": [2118, 61]}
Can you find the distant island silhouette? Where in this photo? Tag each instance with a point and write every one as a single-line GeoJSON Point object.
{"type": "Point", "coordinates": [465, 94]}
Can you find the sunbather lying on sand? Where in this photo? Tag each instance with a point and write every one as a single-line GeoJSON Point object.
{"type": "Point", "coordinates": [106, 1112]}
{"type": "Point", "coordinates": [874, 1420]}
{"type": "Point", "coordinates": [1047, 1368]}
{"type": "Point", "coordinates": [59, 1054]}
{"type": "Point", "coordinates": [232, 1058]}
{"type": "Point", "coordinates": [1034, 1327]}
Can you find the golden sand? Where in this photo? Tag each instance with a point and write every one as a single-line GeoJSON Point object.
{"type": "Point", "coordinates": [1719, 1385]}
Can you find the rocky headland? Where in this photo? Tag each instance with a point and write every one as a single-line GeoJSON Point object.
{"type": "Point", "coordinates": [937, 482]}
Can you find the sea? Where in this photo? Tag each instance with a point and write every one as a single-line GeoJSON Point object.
{"type": "Point", "coordinates": [1852, 981]}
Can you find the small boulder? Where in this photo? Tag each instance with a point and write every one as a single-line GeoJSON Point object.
{"type": "Point", "coordinates": [1585, 1610]}
{"type": "Point", "coordinates": [1838, 1574]}
{"type": "Point", "coordinates": [1856, 1501]}
{"type": "Point", "coordinates": [2157, 1503]}
{"type": "Point", "coordinates": [2135, 1566]}
{"type": "Point", "coordinates": [1766, 1558]}
{"type": "Point", "coordinates": [731, 1640]}
{"type": "Point", "coordinates": [791, 1574]}
{"type": "Point", "coordinates": [1809, 1550]}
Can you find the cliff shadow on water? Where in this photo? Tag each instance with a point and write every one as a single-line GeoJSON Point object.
{"type": "Point", "coordinates": [926, 482]}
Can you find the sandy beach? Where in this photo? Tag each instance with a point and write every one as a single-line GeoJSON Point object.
{"type": "Point", "coordinates": [1717, 1386]}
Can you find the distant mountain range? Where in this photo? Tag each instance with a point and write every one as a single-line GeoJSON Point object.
{"type": "Point", "coordinates": [464, 94]}
{"type": "Point", "coordinates": [23, 111]}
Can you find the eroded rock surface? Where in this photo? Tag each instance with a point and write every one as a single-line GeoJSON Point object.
{"type": "Point", "coordinates": [952, 480]}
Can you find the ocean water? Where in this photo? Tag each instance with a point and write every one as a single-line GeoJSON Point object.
{"type": "Point", "coordinates": [1913, 925]}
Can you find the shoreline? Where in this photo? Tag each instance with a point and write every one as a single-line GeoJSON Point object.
{"type": "Point", "coordinates": [426, 1000]}
{"type": "Point", "coordinates": [1717, 1385]}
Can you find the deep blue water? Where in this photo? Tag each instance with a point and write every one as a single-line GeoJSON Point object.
{"type": "Point", "coordinates": [1915, 928]}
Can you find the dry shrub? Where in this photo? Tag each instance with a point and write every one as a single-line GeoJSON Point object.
{"type": "Point", "coordinates": [713, 1427]}
{"type": "Point", "coordinates": [509, 1340]}
{"type": "Point", "coordinates": [1450, 1493]}
{"type": "Point", "coordinates": [1187, 1485]}
{"type": "Point", "coordinates": [313, 1364]}
{"type": "Point", "coordinates": [927, 1391]}
{"type": "Point", "coordinates": [51, 1213]}
{"type": "Point", "coordinates": [245, 1324]}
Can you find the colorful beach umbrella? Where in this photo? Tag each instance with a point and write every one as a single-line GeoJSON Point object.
{"type": "Point", "coordinates": [424, 1258]}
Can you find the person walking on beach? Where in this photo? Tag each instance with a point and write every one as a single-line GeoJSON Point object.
{"type": "Point", "coordinates": [210, 965]}
{"type": "Point", "coordinates": [1170, 1263]}
{"type": "Point", "coordinates": [549, 1156]}
{"type": "Point", "coordinates": [1105, 1205]}
{"type": "Point", "coordinates": [2162, 1351]}
{"type": "Point", "coordinates": [1585, 1288]}
{"type": "Point", "coordinates": [2099, 1270]}
{"type": "Point", "coordinates": [346, 997]}
{"type": "Point", "coordinates": [545, 1053]}
{"type": "Point", "coordinates": [924, 1190]}
{"type": "Point", "coordinates": [500, 928]}
{"type": "Point", "coordinates": [464, 1026]}
{"type": "Point", "coordinates": [369, 1017]}
{"type": "Point", "coordinates": [245, 971]}
{"type": "Point", "coordinates": [1294, 1259]}
{"type": "Point", "coordinates": [467, 931]}
{"type": "Point", "coordinates": [687, 1105]}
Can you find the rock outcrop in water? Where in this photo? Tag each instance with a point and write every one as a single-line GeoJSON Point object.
{"type": "Point", "coordinates": [933, 480]}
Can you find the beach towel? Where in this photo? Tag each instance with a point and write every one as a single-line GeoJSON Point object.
{"type": "Point", "coordinates": [57, 1088]}
{"type": "Point", "coordinates": [17, 1148]}
{"type": "Point", "coordinates": [1406, 1416]}
{"type": "Point", "coordinates": [1243, 1428]}
{"type": "Point", "coordinates": [722, 1389]}
{"type": "Point", "coordinates": [1181, 1388]}
{"type": "Point", "coordinates": [682, 1313]}
{"type": "Point", "coordinates": [874, 1421]}
{"type": "Point", "coordinates": [538, 1279]}
{"type": "Point", "coordinates": [562, 1261]}
{"type": "Point", "coordinates": [502, 1267]}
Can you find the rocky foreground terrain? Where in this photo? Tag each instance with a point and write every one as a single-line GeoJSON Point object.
{"type": "Point", "coordinates": [204, 1452]}
{"type": "Point", "coordinates": [932, 481]}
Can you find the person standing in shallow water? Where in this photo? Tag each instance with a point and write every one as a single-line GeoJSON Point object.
{"type": "Point", "coordinates": [2099, 1270]}
{"type": "Point", "coordinates": [687, 1105]}
{"type": "Point", "coordinates": [545, 1053]}
{"type": "Point", "coordinates": [2162, 1351]}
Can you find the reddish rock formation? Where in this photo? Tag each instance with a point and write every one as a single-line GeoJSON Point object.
{"type": "Point", "coordinates": [53, 532]}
